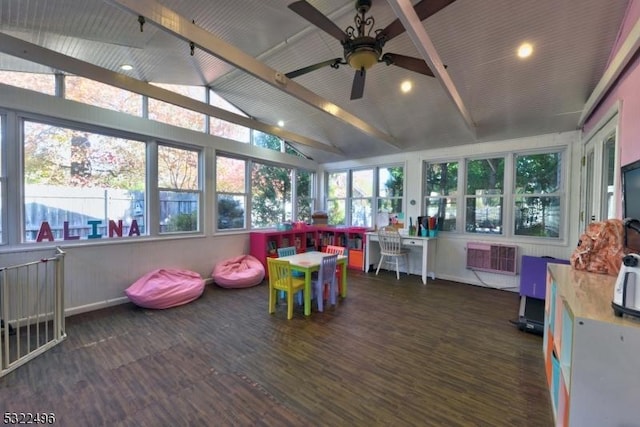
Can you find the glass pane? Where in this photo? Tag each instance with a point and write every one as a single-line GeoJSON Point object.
{"type": "Point", "coordinates": [442, 179]}
{"type": "Point", "coordinates": [226, 129]}
{"type": "Point", "coordinates": [230, 175]}
{"type": "Point", "coordinates": [172, 114]}
{"type": "Point", "coordinates": [177, 168]}
{"type": "Point", "coordinates": [272, 142]}
{"type": "Point", "coordinates": [270, 195]}
{"type": "Point", "coordinates": [537, 216]}
{"type": "Point", "coordinates": [337, 185]}
{"type": "Point", "coordinates": [484, 215]}
{"type": "Point", "coordinates": [78, 182]}
{"type": "Point", "coordinates": [394, 208]}
{"type": "Point", "coordinates": [485, 176]}
{"type": "Point", "coordinates": [336, 213]}
{"type": "Point", "coordinates": [101, 95]}
{"type": "Point", "coordinates": [445, 209]}
{"type": "Point", "coordinates": [362, 183]}
{"type": "Point", "coordinates": [178, 211]}
{"type": "Point", "coordinates": [230, 211]}
{"type": "Point", "coordinates": [608, 200]}
{"type": "Point", "coordinates": [304, 202]}
{"type": "Point", "coordinates": [229, 130]}
{"type": "Point", "coordinates": [538, 173]}
{"type": "Point", "coordinates": [391, 181]}
{"type": "Point", "coordinates": [361, 212]}
{"type": "Point", "coordinates": [43, 83]}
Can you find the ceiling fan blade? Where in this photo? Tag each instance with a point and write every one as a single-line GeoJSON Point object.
{"type": "Point", "coordinates": [424, 9]}
{"type": "Point", "coordinates": [412, 64]}
{"type": "Point", "coordinates": [334, 63]}
{"type": "Point", "coordinates": [357, 90]}
{"type": "Point", "coordinates": [314, 16]}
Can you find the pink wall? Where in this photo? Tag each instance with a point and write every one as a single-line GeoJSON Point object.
{"type": "Point", "coordinates": [626, 90]}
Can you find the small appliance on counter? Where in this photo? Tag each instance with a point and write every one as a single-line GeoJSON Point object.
{"type": "Point", "coordinates": [626, 293]}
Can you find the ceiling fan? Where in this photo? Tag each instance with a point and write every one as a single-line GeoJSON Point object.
{"type": "Point", "coordinates": [362, 44]}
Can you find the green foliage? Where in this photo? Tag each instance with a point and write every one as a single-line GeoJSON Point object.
{"type": "Point", "coordinates": [183, 222]}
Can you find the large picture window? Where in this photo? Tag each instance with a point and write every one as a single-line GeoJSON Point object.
{"type": "Point", "coordinates": [537, 194]}
{"type": "Point", "coordinates": [484, 196]}
{"type": "Point", "coordinates": [81, 185]}
{"type": "Point", "coordinates": [179, 189]}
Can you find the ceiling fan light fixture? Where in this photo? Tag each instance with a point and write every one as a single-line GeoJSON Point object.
{"type": "Point", "coordinates": [363, 57]}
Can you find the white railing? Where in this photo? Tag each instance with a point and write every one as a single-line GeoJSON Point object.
{"type": "Point", "coordinates": [31, 310]}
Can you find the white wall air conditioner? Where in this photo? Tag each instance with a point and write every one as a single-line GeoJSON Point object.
{"type": "Point", "coordinates": [491, 257]}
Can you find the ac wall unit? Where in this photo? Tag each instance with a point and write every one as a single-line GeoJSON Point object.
{"type": "Point", "coordinates": [491, 257]}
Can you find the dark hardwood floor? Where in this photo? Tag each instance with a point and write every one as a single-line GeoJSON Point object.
{"type": "Point", "coordinates": [394, 353]}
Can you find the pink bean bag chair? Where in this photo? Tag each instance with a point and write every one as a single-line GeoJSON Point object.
{"type": "Point", "coordinates": [165, 288]}
{"type": "Point", "coordinates": [239, 272]}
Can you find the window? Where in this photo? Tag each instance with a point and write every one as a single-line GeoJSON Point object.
{"type": "Point", "coordinates": [441, 193]}
{"type": "Point", "coordinates": [172, 114]}
{"type": "Point", "coordinates": [304, 196]}
{"type": "Point", "coordinates": [484, 196]}
{"type": "Point", "coordinates": [337, 198]}
{"type": "Point", "coordinates": [231, 192]}
{"type": "Point", "coordinates": [264, 140]}
{"type": "Point", "coordinates": [81, 185]}
{"type": "Point", "coordinates": [271, 202]}
{"type": "Point", "coordinates": [390, 191]}
{"type": "Point", "coordinates": [362, 183]}
{"type": "Point", "coordinates": [223, 128]}
{"type": "Point", "coordinates": [101, 95]}
{"type": "Point", "coordinates": [537, 194]}
{"type": "Point", "coordinates": [44, 83]}
{"type": "Point", "coordinates": [179, 189]}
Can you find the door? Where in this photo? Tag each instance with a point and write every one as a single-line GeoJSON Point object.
{"type": "Point", "coordinates": [600, 177]}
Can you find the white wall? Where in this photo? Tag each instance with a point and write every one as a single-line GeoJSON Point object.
{"type": "Point", "coordinates": [451, 247]}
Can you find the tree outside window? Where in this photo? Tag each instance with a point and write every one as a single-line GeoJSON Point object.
{"type": "Point", "coordinates": [441, 193]}
{"type": "Point", "coordinates": [484, 196]}
{"type": "Point", "coordinates": [362, 197]}
{"type": "Point", "coordinates": [337, 197]}
{"type": "Point", "coordinates": [73, 177]}
{"type": "Point", "coordinates": [390, 192]}
{"type": "Point", "coordinates": [304, 196]}
{"type": "Point", "coordinates": [271, 202]}
{"type": "Point", "coordinates": [537, 194]}
{"type": "Point", "coordinates": [231, 192]}
{"type": "Point", "coordinates": [179, 189]}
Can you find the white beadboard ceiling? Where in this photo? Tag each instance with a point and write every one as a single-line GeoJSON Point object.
{"type": "Point", "coordinates": [476, 39]}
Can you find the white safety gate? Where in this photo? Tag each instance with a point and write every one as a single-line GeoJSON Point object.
{"type": "Point", "coordinates": [31, 310]}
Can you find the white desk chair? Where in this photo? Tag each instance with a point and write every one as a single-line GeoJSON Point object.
{"type": "Point", "coordinates": [391, 249]}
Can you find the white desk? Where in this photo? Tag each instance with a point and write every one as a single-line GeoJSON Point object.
{"type": "Point", "coordinates": [408, 241]}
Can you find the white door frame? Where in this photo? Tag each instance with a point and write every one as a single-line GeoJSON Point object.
{"type": "Point", "coordinates": [594, 190]}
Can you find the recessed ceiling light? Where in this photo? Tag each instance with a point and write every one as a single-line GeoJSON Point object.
{"type": "Point", "coordinates": [126, 67]}
{"type": "Point", "coordinates": [525, 50]}
{"type": "Point", "coordinates": [280, 123]}
{"type": "Point", "coordinates": [406, 86]}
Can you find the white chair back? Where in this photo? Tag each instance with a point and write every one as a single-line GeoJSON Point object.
{"type": "Point", "coordinates": [390, 241]}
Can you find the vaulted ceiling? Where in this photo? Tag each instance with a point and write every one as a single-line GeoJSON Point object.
{"type": "Point", "coordinates": [485, 92]}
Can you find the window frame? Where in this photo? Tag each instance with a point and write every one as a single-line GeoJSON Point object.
{"type": "Point", "coordinates": [508, 194]}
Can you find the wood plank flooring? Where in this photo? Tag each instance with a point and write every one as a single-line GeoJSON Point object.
{"type": "Point", "coordinates": [394, 353]}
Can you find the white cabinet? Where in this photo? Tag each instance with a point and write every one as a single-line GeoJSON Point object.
{"type": "Point", "coordinates": [592, 357]}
